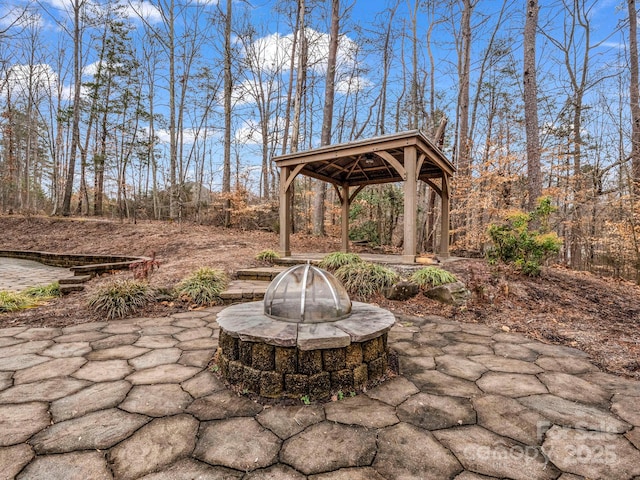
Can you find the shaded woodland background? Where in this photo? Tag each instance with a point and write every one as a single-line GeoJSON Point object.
{"type": "Point", "coordinates": [172, 110]}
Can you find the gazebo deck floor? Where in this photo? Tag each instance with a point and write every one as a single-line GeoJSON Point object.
{"type": "Point", "coordinates": [384, 259]}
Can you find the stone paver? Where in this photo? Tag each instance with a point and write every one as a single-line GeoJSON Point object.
{"type": "Point", "coordinates": [361, 410]}
{"type": "Point", "coordinates": [591, 454]}
{"type": "Point", "coordinates": [406, 451]}
{"type": "Point", "coordinates": [95, 430]}
{"type": "Point", "coordinates": [157, 444]}
{"type": "Point", "coordinates": [59, 367]}
{"type": "Point", "coordinates": [134, 398]}
{"type": "Point", "coordinates": [19, 422]}
{"type": "Point", "coordinates": [13, 459]}
{"type": "Point", "coordinates": [70, 466]}
{"type": "Point", "coordinates": [95, 397]}
{"type": "Point", "coordinates": [489, 454]}
{"type": "Point", "coordinates": [434, 412]}
{"type": "Point", "coordinates": [18, 274]}
{"type": "Point", "coordinates": [239, 443]}
{"type": "Point", "coordinates": [349, 447]}
{"type": "Point", "coordinates": [157, 400]}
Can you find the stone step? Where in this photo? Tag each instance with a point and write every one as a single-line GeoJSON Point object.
{"type": "Point", "coordinates": [289, 261]}
{"type": "Point", "coordinates": [265, 274]}
{"type": "Point", "coordinates": [74, 280]}
{"type": "Point", "coordinates": [244, 291]}
{"type": "Point", "coordinates": [73, 287]}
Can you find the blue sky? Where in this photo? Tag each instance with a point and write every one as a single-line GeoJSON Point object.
{"type": "Point", "coordinates": [49, 16]}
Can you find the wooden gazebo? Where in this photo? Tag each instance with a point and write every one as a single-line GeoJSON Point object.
{"type": "Point", "coordinates": [401, 157]}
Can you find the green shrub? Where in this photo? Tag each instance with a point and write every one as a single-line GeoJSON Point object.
{"type": "Point", "coordinates": [525, 246]}
{"type": "Point", "coordinates": [333, 261]}
{"type": "Point", "coordinates": [121, 298]}
{"type": "Point", "coordinates": [267, 256]}
{"type": "Point", "coordinates": [364, 279]}
{"type": "Point", "coordinates": [428, 277]}
{"type": "Point", "coordinates": [12, 301]}
{"type": "Point", "coordinates": [203, 287]}
{"type": "Point", "coordinates": [367, 231]}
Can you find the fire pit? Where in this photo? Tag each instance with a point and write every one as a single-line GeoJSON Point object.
{"type": "Point", "coordinates": [305, 339]}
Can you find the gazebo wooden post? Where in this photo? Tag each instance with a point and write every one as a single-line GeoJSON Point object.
{"type": "Point", "coordinates": [344, 223]}
{"type": "Point", "coordinates": [285, 212]}
{"type": "Point", "coordinates": [444, 218]}
{"type": "Point", "coordinates": [410, 207]}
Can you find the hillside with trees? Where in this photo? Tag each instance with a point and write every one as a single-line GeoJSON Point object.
{"type": "Point", "coordinates": [173, 109]}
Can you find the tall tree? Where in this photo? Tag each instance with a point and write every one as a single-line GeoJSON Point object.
{"type": "Point", "coordinates": [534, 180]}
{"type": "Point", "coordinates": [463, 149]}
{"type": "Point", "coordinates": [77, 6]}
{"type": "Point", "coordinates": [634, 94]}
{"type": "Point", "coordinates": [327, 113]}
{"type": "Point", "coordinates": [228, 90]}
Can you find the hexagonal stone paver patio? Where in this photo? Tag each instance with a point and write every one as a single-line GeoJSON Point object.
{"type": "Point", "coordinates": [133, 398]}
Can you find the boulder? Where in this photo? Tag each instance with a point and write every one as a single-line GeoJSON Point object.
{"type": "Point", "coordinates": [451, 293]}
{"type": "Point", "coordinates": [402, 290]}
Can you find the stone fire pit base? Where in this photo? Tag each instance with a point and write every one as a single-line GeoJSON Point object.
{"type": "Point", "coordinates": [287, 365]}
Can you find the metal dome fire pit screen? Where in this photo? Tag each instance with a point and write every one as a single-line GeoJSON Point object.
{"type": "Point", "coordinates": [305, 338]}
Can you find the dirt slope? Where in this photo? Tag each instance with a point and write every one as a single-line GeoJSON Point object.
{"type": "Point", "coordinates": [598, 315]}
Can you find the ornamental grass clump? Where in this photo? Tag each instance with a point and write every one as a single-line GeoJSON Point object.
{"type": "Point", "coordinates": [429, 277]}
{"type": "Point", "coordinates": [43, 292]}
{"type": "Point", "coordinates": [268, 256]}
{"type": "Point", "coordinates": [333, 261]}
{"type": "Point", "coordinates": [203, 287]}
{"type": "Point", "coordinates": [364, 279]}
{"type": "Point", "coordinates": [121, 298]}
{"type": "Point", "coordinates": [12, 301]}
{"type": "Point", "coordinates": [29, 298]}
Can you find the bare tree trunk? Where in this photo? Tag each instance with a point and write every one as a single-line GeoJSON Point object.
{"type": "Point", "coordinates": [464, 68]}
{"type": "Point", "coordinates": [413, 92]}
{"type": "Point", "coordinates": [173, 137]}
{"type": "Point", "coordinates": [634, 95]}
{"type": "Point", "coordinates": [75, 136]}
{"type": "Point", "coordinates": [294, 43]}
{"type": "Point", "coordinates": [301, 74]}
{"type": "Point", "coordinates": [534, 182]}
{"type": "Point", "coordinates": [327, 115]}
{"type": "Point", "coordinates": [228, 87]}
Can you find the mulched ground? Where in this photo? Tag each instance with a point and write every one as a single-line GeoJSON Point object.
{"type": "Point", "coordinates": [598, 315]}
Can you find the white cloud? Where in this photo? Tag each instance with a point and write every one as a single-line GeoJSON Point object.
{"type": "Point", "coordinates": [616, 45]}
{"type": "Point", "coordinates": [319, 51]}
{"type": "Point", "coordinates": [189, 136]}
{"type": "Point", "coordinates": [142, 8]}
{"type": "Point", "coordinates": [91, 69]}
{"type": "Point", "coordinates": [40, 78]}
{"type": "Point", "coordinates": [18, 17]}
{"type": "Point", "coordinates": [352, 84]}
{"type": "Point", "coordinates": [272, 52]}
{"type": "Point", "coordinates": [249, 134]}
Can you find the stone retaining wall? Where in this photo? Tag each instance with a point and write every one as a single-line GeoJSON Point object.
{"type": "Point", "coordinates": [81, 263]}
{"type": "Point", "coordinates": [289, 372]}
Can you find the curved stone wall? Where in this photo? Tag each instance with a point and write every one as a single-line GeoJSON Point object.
{"type": "Point", "coordinates": [80, 263]}
{"type": "Point", "coordinates": [273, 371]}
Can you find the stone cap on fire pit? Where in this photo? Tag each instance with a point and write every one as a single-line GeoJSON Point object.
{"type": "Point", "coordinates": [249, 323]}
